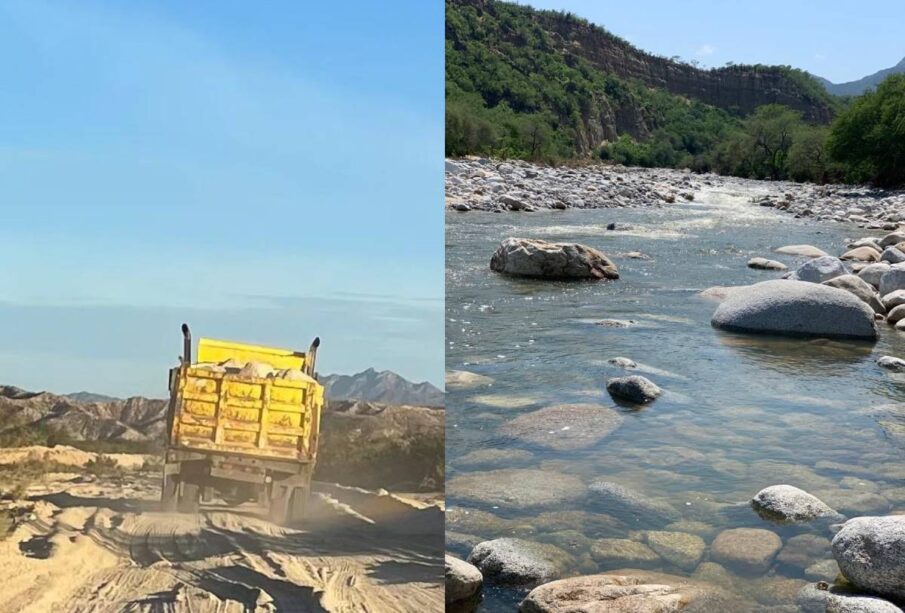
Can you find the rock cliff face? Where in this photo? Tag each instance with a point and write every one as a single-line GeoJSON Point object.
{"type": "Point", "coordinates": [737, 89]}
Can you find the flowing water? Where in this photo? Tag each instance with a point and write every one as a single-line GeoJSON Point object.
{"type": "Point", "coordinates": [738, 412]}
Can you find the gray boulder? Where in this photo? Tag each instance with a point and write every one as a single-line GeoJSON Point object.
{"type": "Point", "coordinates": [816, 598]}
{"type": "Point", "coordinates": [892, 239]}
{"type": "Point", "coordinates": [870, 552]}
{"type": "Point", "coordinates": [786, 503]}
{"type": "Point", "coordinates": [819, 270]}
{"type": "Point", "coordinates": [892, 255]}
{"type": "Point", "coordinates": [896, 314]}
{"type": "Point", "coordinates": [795, 308]}
{"type": "Point", "coordinates": [462, 579]}
{"type": "Point", "coordinates": [893, 299]}
{"type": "Point", "coordinates": [892, 279]}
{"type": "Point", "coordinates": [872, 273]}
{"type": "Point", "coordinates": [860, 288]}
{"type": "Point", "coordinates": [634, 388]}
{"type": "Point", "coordinates": [544, 260]}
{"type": "Point", "coordinates": [513, 561]}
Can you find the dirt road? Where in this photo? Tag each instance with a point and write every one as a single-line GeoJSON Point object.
{"type": "Point", "coordinates": [83, 543]}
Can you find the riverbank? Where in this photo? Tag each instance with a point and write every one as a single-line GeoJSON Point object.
{"type": "Point", "coordinates": [484, 184]}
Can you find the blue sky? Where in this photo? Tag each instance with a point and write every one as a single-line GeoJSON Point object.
{"type": "Point", "coordinates": [266, 172]}
{"type": "Point", "coordinates": [836, 39]}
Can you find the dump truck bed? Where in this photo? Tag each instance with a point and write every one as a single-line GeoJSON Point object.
{"type": "Point", "coordinates": [223, 412]}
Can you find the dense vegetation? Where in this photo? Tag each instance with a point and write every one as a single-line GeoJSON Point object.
{"type": "Point", "coordinates": [523, 97]}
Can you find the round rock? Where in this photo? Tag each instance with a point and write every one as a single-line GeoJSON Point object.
{"type": "Point", "coordinates": [564, 427]}
{"type": "Point", "coordinates": [634, 388]}
{"type": "Point", "coordinates": [544, 260]}
{"type": "Point", "coordinates": [678, 548]}
{"type": "Point", "coordinates": [513, 561]}
{"type": "Point", "coordinates": [819, 270]}
{"type": "Point", "coordinates": [870, 552]}
{"type": "Point", "coordinates": [796, 308]}
{"type": "Point", "coordinates": [786, 503]}
{"type": "Point", "coordinates": [749, 551]}
{"type": "Point", "coordinates": [629, 591]}
{"type": "Point", "coordinates": [462, 579]}
{"type": "Point", "coordinates": [857, 286]}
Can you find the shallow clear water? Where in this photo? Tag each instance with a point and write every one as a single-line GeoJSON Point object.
{"type": "Point", "coordinates": [739, 412]}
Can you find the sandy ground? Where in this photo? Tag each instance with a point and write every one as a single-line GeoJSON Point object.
{"type": "Point", "coordinates": [83, 543]}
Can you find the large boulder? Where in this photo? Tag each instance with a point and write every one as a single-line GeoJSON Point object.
{"type": "Point", "coordinates": [748, 551]}
{"type": "Point", "coordinates": [513, 561]}
{"type": "Point", "coordinates": [893, 255]}
{"type": "Point", "coordinates": [893, 299]}
{"type": "Point", "coordinates": [819, 270]}
{"type": "Point", "coordinates": [892, 279]}
{"type": "Point", "coordinates": [512, 488]}
{"type": "Point", "coordinates": [872, 273]}
{"type": "Point", "coordinates": [861, 254]}
{"type": "Point", "coordinates": [786, 503]}
{"type": "Point", "coordinates": [796, 308]}
{"type": "Point", "coordinates": [564, 427]}
{"type": "Point", "coordinates": [870, 552]}
{"type": "Point", "coordinates": [860, 288]}
{"type": "Point", "coordinates": [896, 314]}
{"type": "Point", "coordinates": [629, 591]}
{"type": "Point", "coordinates": [526, 257]}
{"type": "Point", "coordinates": [892, 239]}
{"type": "Point", "coordinates": [463, 580]}
{"type": "Point", "coordinates": [634, 388]}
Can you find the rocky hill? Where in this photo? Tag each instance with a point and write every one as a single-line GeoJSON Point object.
{"type": "Point", "coordinates": [384, 386]}
{"type": "Point", "coordinates": [595, 84]}
{"type": "Point", "coordinates": [136, 420]}
{"type": "Point", "coordinates": [859, 86]}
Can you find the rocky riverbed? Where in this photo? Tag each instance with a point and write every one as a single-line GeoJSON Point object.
{"type": "Point", "coordinates": [656, 437]}
{"type": "Point", "coordinates": [483, 184]}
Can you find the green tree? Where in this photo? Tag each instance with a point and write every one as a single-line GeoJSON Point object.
{"type": "Point", "coordinates": [808, 158]}
{"type": "Point", "coordinates": [771, 130]}
{"type": "Point", "coordinates": [869, 136]}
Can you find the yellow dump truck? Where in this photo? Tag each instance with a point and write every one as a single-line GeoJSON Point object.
{"type": "Point", "coordinates": [243, 422]}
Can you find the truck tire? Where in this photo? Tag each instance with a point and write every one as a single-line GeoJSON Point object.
{"type": "Point", "coordinates": [279, 503]}
{"type": "Point", "coordinates": [299, 504]}
{"type": "Point", "coordinates": [189, 495]}
{"type": "Point", "coordinates": [169, 494]}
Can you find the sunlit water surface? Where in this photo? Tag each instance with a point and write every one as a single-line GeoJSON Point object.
{"type": "Point", "coordinates": [739, 412]}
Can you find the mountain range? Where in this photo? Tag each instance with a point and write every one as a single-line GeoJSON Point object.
{"type": "Point", "coordinates": [384, 387]}
{"type": "Point", "coordinates": [858, 87]}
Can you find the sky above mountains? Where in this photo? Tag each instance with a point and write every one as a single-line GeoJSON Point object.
{"type": "Point", "coordinates": [266, 173]}
{"type": "Point", "coordinates": [835, 39]}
